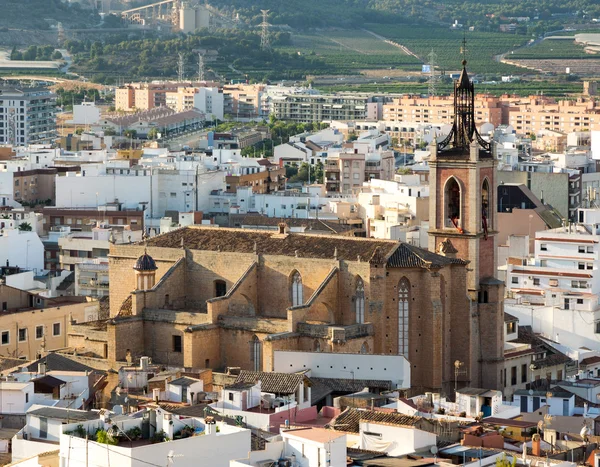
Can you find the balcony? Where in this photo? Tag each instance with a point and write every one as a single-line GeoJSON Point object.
{"type": "Point", "coordinates": [335, 332]}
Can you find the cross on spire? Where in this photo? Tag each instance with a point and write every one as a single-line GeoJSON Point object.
{"type": "Point", "coordinates": [463, 49]}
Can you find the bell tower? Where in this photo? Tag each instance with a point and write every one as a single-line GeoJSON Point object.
{"type": "Point", "coordinates": [462, 213]}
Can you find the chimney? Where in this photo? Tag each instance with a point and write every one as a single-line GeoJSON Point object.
{"type": "Point", "coordinates": [536, 448]}
{"type": "Point", "coordinates": [42, 368]}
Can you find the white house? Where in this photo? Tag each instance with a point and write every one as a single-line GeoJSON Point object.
{"type": "Point", "coordinates": [314, 447]}
{"type": "Point", "coordinates": [20, 248]}
{"type": "Point", "coordinates": [394, 440]}
{"type": "Point", "coordinates": [185, 389]}
{"type": "Point", "coordinates": [559, 401]}
{"type": "Point", "coordinates": [476, 401]}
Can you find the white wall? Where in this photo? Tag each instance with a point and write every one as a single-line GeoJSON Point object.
{"type": "Point", "coordinates": [394, 368]}
{"type": "Point", "coordinates": [214, 450]}
{"type": "Point", "coordinates": [312, 453]}
{"type": "Point", "coordinates": [395, 440]}
{"type": "Point", "coordinates": [13, 400]}
{"type": "Point", "coordinates": [23, 249]}
{"type": "Point", "coordinates": [175, 392]}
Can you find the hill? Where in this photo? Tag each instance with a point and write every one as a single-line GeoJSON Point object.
{"type": "Point", "coordinates": [43, 14]}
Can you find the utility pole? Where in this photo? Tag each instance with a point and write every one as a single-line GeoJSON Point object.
{"type": "Point", "coordinates": [265, 43]}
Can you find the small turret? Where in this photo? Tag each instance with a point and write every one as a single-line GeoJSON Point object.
{"type": "Point", "coordinates": [145, 271]}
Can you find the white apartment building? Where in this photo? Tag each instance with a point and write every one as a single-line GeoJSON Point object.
{"type": "Point", "coordinates": [556, 290]}
{"type": "Point", "coordinates": [86, 253]}
{"type": "Point", "coordinates": [20, 248]}
{"type": "Point", "coordinates": [27, 115]}
{"type": "Point", "coordinates": [307, 147]}
{"type": "Point", "coordinates": [392, 209]}
{"type": "Point", "coordinates": [349, 168]}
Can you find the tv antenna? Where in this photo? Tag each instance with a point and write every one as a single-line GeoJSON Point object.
{"type": "Point", "coordinates": [433, 76]}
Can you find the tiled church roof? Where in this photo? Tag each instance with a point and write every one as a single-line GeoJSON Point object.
{"type": "Point", "coordinates": [276, 383]}
{"type": "Point", "coordinates": [394, 254]}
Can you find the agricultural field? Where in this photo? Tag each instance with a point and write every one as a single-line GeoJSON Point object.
{"type": "Point", "coordinates": [482, 47]}
{"type": "Point", "coordinates": [350, 51]}
{"type": "Point", "coordinates": [547, 88]}
{"type": "Point", "coordinates": [551, 48]}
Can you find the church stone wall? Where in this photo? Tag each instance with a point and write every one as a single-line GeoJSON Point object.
{"type": "Point", "coordinates": [124, 336]}
{"type": "Point", "coordinates": [122, 278]}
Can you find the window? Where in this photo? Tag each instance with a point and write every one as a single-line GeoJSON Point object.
{"type": "Point", "coordinates": [231, 396]}
{"type": "Point", "coordinates": [220, 288]}
{"type": "Point", "coordinates": [255, 352]}
{"type": "Point", "coordinates": [514, 280]}
{"type": "Point", "coordinates": [511, 327]}
{"type": "Point", "coordinates": [39, 332]}
{"type": "Point", "coordinates": [523, 373]}
{"type": "Point", "coordinates": [403, 298]}
{"type": "Point", "coordinates": [590, 249]}
{"type": "Point", "coordinates": [360, 301]}
{"type": "Point", "coordinates": [580, 301]}
{"type": "Point", "coordinates": [513, 376]}
{"type": "Point", "coordinates": [553, 282]}
{"type": "Point", "coordinates": [22, 335]}
{"type": "Point", "coordinates": [580, 265]}
{"type": "Point", "coordinates": [177, 347]}
{"type": "Point", "coordinates": [567, 303]}
{"type": "Point", "coordinates": [544, 246]}
{"type": "Point", "coordinates": [26, 397]}
{"type": "Point", "coordinates": [5, 337]}
{"type": "Point", "coordinates": [596, 330]}
{"type": "Point", "coordinates": [297, 299]}
{"type": "Point", "coordinates": [536, 281]}
{"type": "Point", "coordinates": [56, 329]}
{"type": "Point", "coordinates": [452, 203]}
{"type": "Point", "coordinates": [485, 203]}
{"type": "Point", "coordinates": [581, 249]}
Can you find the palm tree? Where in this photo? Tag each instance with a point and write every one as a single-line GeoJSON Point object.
{"type": "Point", "coordinates": [25, 227]}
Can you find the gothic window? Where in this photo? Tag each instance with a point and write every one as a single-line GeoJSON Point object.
{"type": "Point", "coordinates": [255, 352]}
{"type": "Point", "coordinates": [359, 303]}
{"type": "Point", "coordinates": [452, 200]}
{"type": "Point", "coordinates": [403, 305]}
{"type": "Point", "coordinates": [485, 205]}
{"type": "Point", "coordinates": [297, 299]}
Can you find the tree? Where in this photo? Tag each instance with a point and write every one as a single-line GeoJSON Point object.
{"type": "Point", "coordinates": [130, 133]}
{"type": "Point", "coordinates": [25, 227]}
{"type": "Point", "coordinates": [57, 55]}
{"type": "Point", "coordinates": [153, 133]}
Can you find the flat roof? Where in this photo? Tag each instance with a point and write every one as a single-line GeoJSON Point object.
{"type": "Point", "coordinates": [320, 435]}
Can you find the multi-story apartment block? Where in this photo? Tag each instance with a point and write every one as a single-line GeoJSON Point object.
{"type": "Point", "coordinates": [556, 291]}
{"type": "Point", "coordinates": [309, 108]}
{"type": "Point", "coordinates": [534, 114]}
{"type": "Point", "coordinates": [27, 115]}
{"type": "Point", "coordinates": [415, 109]}
{"type": "Point", "coordinates": [244, 100]}
{"type": "Point", "coordinates": [38, 185]}
{"type": "Point", "coordinates": [144, 96]}
{"type": "Point", "coordinates": [349, 168]}
{"type": "Point", "coordinates": [209, 101]}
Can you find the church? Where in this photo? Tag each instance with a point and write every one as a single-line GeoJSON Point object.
{"type": "Point", "coordinates": [206, 297]}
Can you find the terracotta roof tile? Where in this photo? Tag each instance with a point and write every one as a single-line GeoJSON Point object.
{"type": "Point", "coordinates": [276, 383]}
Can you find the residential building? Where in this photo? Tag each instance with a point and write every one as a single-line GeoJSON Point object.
{"type": "Point", "coordinates": [348, 169]}
{"type": "Point", "coordinates": [556, 290]}
{"type": "Point", "coordinates": [559, 401]}
{"type": "Point", "coordinates": [439, 109]}
{"type": "Point", "coordinates": [307, 147]}
{"type": "Point", "coordinates": [55, 218]}
{"type": "Point", "coordinates": [60, 428]}
{"type": "Point", "coordinates": [208, 100]}
{"type": "Point", "coordinates": [250, 173]}
{"type": "Point", "coordinates": [534, 114]}
{"type": "Point", "coordinates": [27, 115]}
{"type": "Point", "coordinates": [166, 121]}
{"type": "Point", "coordinates": [143, 96]}
{"type": "Point", "coordinates": [38, 185]}
{"type": "Point", "coordinates": [310, 108]}
{"type": "Point", "coordinates": [243, 101]}
{"type": "Point", "coordinates": [32, 323]}
{"type": "Point", "coordinates": [388, 207]}
{"type": "Point", "coordinates": [20, 248]}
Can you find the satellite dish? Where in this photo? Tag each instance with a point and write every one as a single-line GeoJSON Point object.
{"type": "Point", "coordinates": [531, 392]}
{"type": "Point", "coordinates": [434, 450]}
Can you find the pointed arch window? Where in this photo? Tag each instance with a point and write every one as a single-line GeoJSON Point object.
{"type": "Point", "coordinates": [255, 352]}
{"type": "Point", "coordinates": [297, 298]}
{"type": "Point", "coordinates": [485, 206]}
{"type": "Point", "coordinates": [452, 195]}
{"type": "Point", "coordinates": [403, 308]}
{"type": "Point", "coordinates": [359, 303]}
